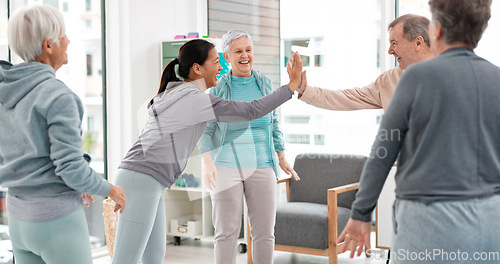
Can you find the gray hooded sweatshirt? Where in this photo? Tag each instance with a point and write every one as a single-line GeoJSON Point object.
{"type": "Point", "coordinates": [40, 135]}
{"type": "Point", "coordinates": [177, 119]}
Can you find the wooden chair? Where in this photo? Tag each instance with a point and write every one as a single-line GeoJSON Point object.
{"type": "Point", "coordinates": [318, 206]}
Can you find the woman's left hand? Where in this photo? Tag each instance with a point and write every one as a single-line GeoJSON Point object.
{"type": "Point", "coordinates": [89, 198]}
{"type": "Point", "coordinates": [286, 167]}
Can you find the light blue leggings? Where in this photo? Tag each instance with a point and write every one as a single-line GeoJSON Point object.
{"type": "Point", "coordinates": [60, 241]}
{"type": "Point", "coordinates": [141, 231]}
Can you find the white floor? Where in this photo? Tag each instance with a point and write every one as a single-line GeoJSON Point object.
{"type": "Point", "coordinates": [193, 251]}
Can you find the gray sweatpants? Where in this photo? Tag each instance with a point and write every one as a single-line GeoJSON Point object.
{"type": "Point", "coordinates": [448, 232]}
{"type": "Point", "coordinates": [141, 230]}
{"type": "Point", "coordinates": [258, 186]}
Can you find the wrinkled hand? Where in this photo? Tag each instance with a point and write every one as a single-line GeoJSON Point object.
{"type": "Point", "coordinates": [210, 175]}
{"type": "Point", "coordinates": [89, 198]}
{"type": "Point", "coordinates": [303, 82]}
{"type": "Point", "coordinates": [117, 194]}
{"type": "Point", "coordinates": [285, 166]}
{"type": "Point", "coordinates": [356, 234]}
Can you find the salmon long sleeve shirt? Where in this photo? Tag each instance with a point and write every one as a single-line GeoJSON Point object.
{"type": "Point", "coordinates": [376, 95]}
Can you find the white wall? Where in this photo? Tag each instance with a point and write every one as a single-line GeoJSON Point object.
{"type": "Point", "coordinates": [134, 31]}
{"type": "Point", "coordinates": [489, 43]}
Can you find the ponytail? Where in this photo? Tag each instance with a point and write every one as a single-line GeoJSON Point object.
{"type": "Point", "coordinates": [167, 76]}
{"type": "Point", "coordinates": [193, 51]}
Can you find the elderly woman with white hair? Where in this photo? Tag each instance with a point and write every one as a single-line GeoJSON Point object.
{"type": "Point", "coordinates": [240, 158]}
{"type": "Point", "coordinates": [41, 159]}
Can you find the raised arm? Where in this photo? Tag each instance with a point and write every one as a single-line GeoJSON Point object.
{"type": "Point", "coordinates": [237, 111]}
{"type": "Point", "coordinates": [222, 110]}
{"type": "Point", "coordinates": [367, 97]}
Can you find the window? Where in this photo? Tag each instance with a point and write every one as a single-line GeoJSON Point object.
{"type": "Point", "coordinates": [53, 3]}
{"type": "Point", "coordinates": [89, 64]}
{"type": "Point", "coordinates": [310, 50]}
{"type": "Point", "coordinates": [4, 49]}
{"type": "Point", "coordinates": [319, 140]}
{"type": "Point", "coordinates": [297, 139]}
{"type": "Point", "coordinates": [88, 5]}
{"type": "Point", "coordinates": [297, 119]}
{"type": "Point", "coordinates": [340, 50]}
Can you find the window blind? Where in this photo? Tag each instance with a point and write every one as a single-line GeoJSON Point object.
{"type": "Point", "coordinates": [260, 18]}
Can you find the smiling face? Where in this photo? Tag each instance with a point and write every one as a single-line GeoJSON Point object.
{"type": "Point", "coordinates": [211, 68]}
{"type": "Point", "coordinates": [240, 57]}
{"type": "Point", "coordinates": [401, 48]}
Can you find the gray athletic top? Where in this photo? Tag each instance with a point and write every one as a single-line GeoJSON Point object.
{"type": "Point", "coordinates": [177, 119]}
{"type": "Point", "coordinates": [43, 208]}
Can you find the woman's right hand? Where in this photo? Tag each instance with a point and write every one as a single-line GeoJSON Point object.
{"type": "Point", "coordinates": [303, 84]}
{"type": "Point", "coordinates": [295, 72]}
{"type": "Point", "coordinates": [210, 175]}
{"type": "Point", "coordinates": [117, 193]}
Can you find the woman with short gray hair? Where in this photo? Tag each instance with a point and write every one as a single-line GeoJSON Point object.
{"type": "Point", "coordinates": [41, 158]}
{"type": "Point", "coordinates": [241, 159]}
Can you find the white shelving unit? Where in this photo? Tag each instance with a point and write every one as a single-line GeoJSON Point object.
{"type": "Point", "coordinates": [186, 201]}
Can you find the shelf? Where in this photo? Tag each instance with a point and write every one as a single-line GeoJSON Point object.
{"type": "Point", "coordinates": [199, 236]}
{"type": "Point", "coordinates": [186, 189]}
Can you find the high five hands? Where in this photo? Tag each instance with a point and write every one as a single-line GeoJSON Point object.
{"type": "Point", "coordinates": [303, 83]}
{"type": "Point", "coordinates": [294, 68]}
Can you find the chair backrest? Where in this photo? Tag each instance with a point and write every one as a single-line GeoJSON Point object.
{"type": "Point", "coordinates": [320, 172]}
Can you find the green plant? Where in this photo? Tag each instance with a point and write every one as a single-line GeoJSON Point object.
{"type": "Point", "coordinates": [89, 141]}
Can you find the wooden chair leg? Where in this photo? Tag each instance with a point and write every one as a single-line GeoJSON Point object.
{"type": "Point", "coordinates": [249, 245]}
{"type": "Point", "coordinates": [332, 254]}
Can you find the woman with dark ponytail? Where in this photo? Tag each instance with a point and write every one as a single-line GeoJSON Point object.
{"type": "Point", "coordinates": [178, 115]}
{"type": "Point", "coordinates": [168, 75]}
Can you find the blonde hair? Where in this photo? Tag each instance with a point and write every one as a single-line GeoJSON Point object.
{"type": "Point", "coordinates": [29, 27]}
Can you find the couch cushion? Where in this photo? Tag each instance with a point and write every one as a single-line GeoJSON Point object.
{"type": "Point", "coordinates": [306, 224]}
{"type": "Point", "coordinates": [319, 172]}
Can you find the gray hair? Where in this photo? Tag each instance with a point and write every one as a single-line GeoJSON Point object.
{"type": "Point", "coordinates": [414, 26]}
{"type": "Point", "coordinates": [29, 27]}
{"type": "Point", "coordinates": [462, 21]}
{"type": "Point", "coordinates": [231, 36]}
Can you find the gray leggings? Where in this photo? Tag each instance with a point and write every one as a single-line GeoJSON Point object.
{"type": "Point", "coordinates": [141, 230]}
{"type": "Point", "coordinates": [258, 186]}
